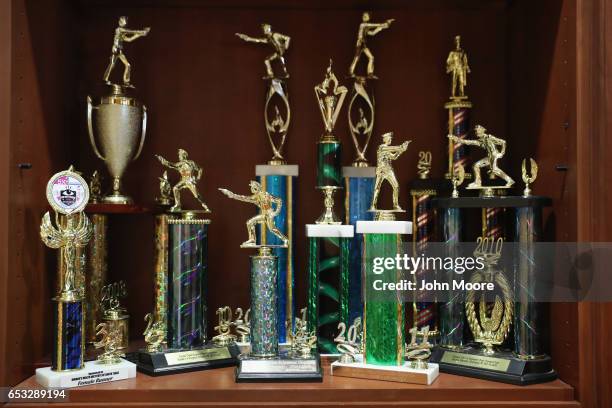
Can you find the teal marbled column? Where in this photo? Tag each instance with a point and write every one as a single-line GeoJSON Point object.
{"type": "Point", "coordinates": [383, 320]}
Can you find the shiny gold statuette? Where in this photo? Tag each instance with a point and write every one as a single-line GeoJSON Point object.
{"type": "Point", "coordinates": [351, 345]}
{"type": "Point", "coordinates": [190, 174]}
{"type": "Point", "coordinates": [330, 96]}
{"type": "Point", "coordinates": [269, 207]}
{"type": "Point", "coordinates": [120, 119]}
{"type": "Point", "coordinates": [385, 155]}
{"type": "Point", "coordinates": [122, 35]}
{"type": "Point", "coordinates": [110, 341]}
{"type": "Point", "coordinates": [457, 178]}
{"type": "Point", "coordinates": [95, 187]}
{"type": "Point", "coordinates": [277, 112]}
{"type": "Point", "coordinates": [424, 165]}
{"type": "Point", "coordinates": [114, 314]}
{"type": "Point", "coordinates": [302, 341]}
{"type": "Point", "coordinates": [366, 29]}
{"type": "Point", "coordinates": [457, 66]}
{"type": "Point", "coordinates": [418, 353]}
{"type": "Point", "coordinates": [242, 325]}
{"type": "Point", "coordinates": [495, 149]}
{"type": "Point", "coordinates": [155, 333]}
{"type": "Point", "coordinates": [528, 179]}
{"type": "Point", "coordinates": [490, 328]}
{"type": "Point", "coordinates": [224, 327]}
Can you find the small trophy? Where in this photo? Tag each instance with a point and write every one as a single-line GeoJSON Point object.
{"type": "Point", "coordinates": [264, 362]}
{"type": "Point", "coordinates": [120, 120]}
{"type": "Point", "coordinates": [495, 149]}
{"type": "Point", "coordinates": [68, 194]}
{"type": "Point", "coordinates": [110, 339]}
{"type": "Point", "coordinates": [115, 315]}
{"type": "Point", "coordinates": [224, 327]}
{"type": "Point", "coordinates": [528, 177]}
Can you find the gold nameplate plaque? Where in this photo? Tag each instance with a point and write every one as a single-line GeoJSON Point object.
{"type": "Point", "coordinates": [195, 356]}
{"type": "Point", "coordinates": [476, 361]}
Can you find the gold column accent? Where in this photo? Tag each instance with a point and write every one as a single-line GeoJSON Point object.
{"type": "Point", "coordinates": [95, 278]}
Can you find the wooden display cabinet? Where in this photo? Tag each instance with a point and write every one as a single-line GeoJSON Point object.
{"type": "Point", "coordinates": [540, 79]}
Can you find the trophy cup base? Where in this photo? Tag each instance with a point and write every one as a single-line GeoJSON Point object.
{"type": "Point", "coordinates": [282, 368]}
{"type": "Point", "coordinates": [118, 199]}
{"type": "Point", "coordinates": [403, 374]}
{"type": "Point", "coordinates": [92, 373]}
{"type": "Point", "coordinates": [180, 361]}
{"type": "Point", "coordinates": [502, 366]}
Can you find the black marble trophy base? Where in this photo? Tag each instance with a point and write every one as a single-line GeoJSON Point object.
{"type": "Point", "coordinates": [502, 366]}
{"type": "Point", "coordinates": [180, 361]}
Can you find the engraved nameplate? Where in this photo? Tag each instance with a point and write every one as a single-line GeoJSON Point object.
{"type": "Point", "coordinates": [92, 373]}
{"type": "Point", "coordinates": [278, 366]}
{"type": "Point", "coordinates": [195, 356]}
{"type": "Point", "coordinates": [476, 361]}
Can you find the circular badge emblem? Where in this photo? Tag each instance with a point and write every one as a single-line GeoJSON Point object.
{"type": "Point", "coordinates": [67, 192]}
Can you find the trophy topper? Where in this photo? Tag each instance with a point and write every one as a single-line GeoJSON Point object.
{"type": "Point", "coordinates": [330, 95]}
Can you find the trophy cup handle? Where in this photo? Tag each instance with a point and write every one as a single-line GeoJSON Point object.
{"type": "Point", "coordinates": [92, 140]}
{"type": "Point", "coordinates": [144, 131]}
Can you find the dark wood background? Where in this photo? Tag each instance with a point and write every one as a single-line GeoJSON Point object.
{"type": "Point", "coordinates": [204, 92]}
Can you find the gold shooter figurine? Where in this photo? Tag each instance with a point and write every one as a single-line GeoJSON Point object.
{"type": "Point", "coordinates": [190, 174]}
{"type": "Point", "coordinates": [457, 66]}
{"type": "Point", "coordinates": [279, 43]}
{"type": "Point", "coordinates": [122, 35]}
{"type": "Point", "coordinates": [495, 149]}
{"type": "Point", "coordinates": [366, 29]}
{"type": "Point", "coordinates": [385, 155]}
{"type": "Point", "coordinates": [269, 207]}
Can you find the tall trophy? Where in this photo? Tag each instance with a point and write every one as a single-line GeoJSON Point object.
{"type": "Point", "coordinates": [484, 347]}
{"type": "Point", "coordinates": [277, 177]}
{"type": "Point", "coordinates": [383, 352]}
{"type": "Point", "coordinates": [265, 362]}
{"type": "Point", "coordinates": [120, 120]}
{"type": "Point", "coordinates": [176, 333]}
{"type": "Point", "coordinates": [328, 240]}
{"type": "Point", "coordinates": [359, 176]}
{"type": "Point", "coordinates": [68, 194]}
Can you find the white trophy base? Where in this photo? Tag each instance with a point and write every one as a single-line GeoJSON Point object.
{"type": "Point", "coordinates": [92, 373]}
{"type": "Point", "coordinates": [263, 170]}
{"type": "Point", "coordinates": [384, 227]}
{"type": "Point", "coordinates": [358, 172]}
{"type": "Point", "coordinates": [329, 231]}
{"type": "Point", "coordinates": [403, 374]}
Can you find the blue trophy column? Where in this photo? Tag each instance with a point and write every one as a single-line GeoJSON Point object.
{"type": "Point", "coordinates": [68, 339]}
{"type": "Point", "coordinates": [280, 181]}
{"type": "Point", "coordinates": [359, 187]}
{"type": "Point", "coordinates": [187, 268]}
{"type": "Point", "coordinates": [264, 313]}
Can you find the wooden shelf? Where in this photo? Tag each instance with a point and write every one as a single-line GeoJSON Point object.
{"type": "Point", "coordinates": [218, 388]}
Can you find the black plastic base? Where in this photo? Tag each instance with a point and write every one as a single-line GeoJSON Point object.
{"type": "Point", "coordinates": [281, 369]}
{"type": "Point", "coordinates": [157, 364]}
{"type": "Point", "coordinates": [518, 371]}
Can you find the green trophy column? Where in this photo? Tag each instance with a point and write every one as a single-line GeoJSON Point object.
{"type": "Point", "coordinates": [328, 269]}
{"type": "Point", "coordinates": [383, 313]}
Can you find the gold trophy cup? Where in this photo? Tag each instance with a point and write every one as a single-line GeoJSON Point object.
{"type": "Point", "coordinates": [121, 120]}
{"type": "Point", "coordinates": [120, 123]}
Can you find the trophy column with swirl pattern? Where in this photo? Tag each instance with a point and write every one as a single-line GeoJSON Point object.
{"type": "Point", "coordinates": [277, 177]}
{"type": "Point", "coordinates": [68, 194]}
{"type": "Point", "coordinates": [328, 240]}
{"type": "Point", "coordinates": [359, 177]}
